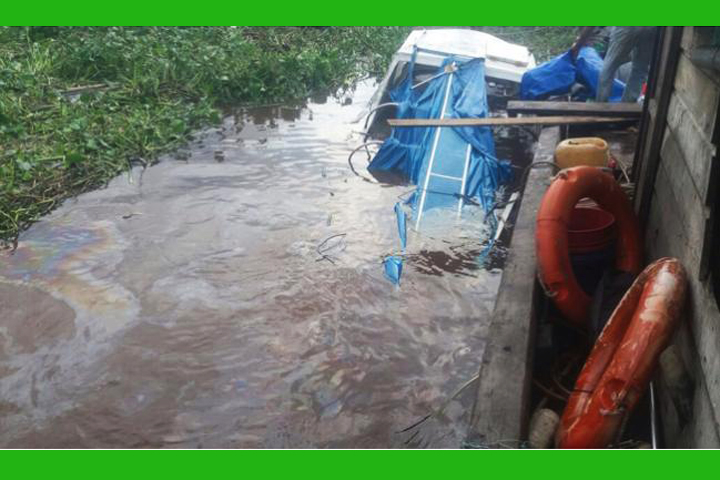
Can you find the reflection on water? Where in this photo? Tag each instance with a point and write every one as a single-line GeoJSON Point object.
{"type": "Point", "coordinates": [188, 305]}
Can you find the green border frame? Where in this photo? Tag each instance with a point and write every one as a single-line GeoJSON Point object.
{"type": "Point", "coordinates": [352, 464]}
{"type": "Point", "coordinates": [315, 12]}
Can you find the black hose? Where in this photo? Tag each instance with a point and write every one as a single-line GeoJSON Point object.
{"type": "Point", "coordinates": [364, 145]}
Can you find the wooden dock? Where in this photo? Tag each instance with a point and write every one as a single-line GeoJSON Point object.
{"type": "Point", "coordinates": [501, 410]}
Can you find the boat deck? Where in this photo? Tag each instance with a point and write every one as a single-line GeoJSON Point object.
{"type": "Point", "coordinates": [502, 409]}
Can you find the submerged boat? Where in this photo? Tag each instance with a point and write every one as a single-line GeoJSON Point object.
{"type": "Point", "coordinates": [505, 63]}
{"type": "Point", "coordinates": [442, 74]}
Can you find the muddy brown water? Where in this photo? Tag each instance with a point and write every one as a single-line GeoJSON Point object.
{"type": "Point", "coordinates": [186, 305]}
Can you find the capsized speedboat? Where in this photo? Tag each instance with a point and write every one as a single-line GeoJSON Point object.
{"type": "Point", "coordinates": [505, 64]}
{"type": "Point", "coordinates": [441, 74]}
{"type": "Point", "coordinates": [438, 74]}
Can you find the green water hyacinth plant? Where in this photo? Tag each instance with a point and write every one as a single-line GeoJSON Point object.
{"type": "Point", "coordinates": [79, 105]}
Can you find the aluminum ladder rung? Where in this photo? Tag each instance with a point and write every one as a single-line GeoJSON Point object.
{"type": "Point", "coordinates": [457, 179]}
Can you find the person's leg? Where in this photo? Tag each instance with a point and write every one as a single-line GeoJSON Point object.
{"type": "Point", "coordinates": [640, 65]}
{"type": "Point", "coordinates": [623, 72]}
{"type": "Point", "coordinates": [621, 44]}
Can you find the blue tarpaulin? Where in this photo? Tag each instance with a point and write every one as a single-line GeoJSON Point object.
{"type": "Point", "coordinates": [450, 166]}
{"type": "Point", "coordinates": [557, 76]}
{"type": "Point", "coordinates": [393, 268]}
{"type": "Point", "coordinates": [401, 224]}
{"type": "Point", "coordinates": [393, 263]}
{"type": "Point", "coordinates": [589, 65]}
{"type": "Point", "coordinates": [554, 77]}
{"type": "Point", "coordinates": [447, 164]}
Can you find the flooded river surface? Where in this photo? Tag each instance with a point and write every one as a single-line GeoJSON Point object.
{"type": "Point", "coordinates": [187, 305]}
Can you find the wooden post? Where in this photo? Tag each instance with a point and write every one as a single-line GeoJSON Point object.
{"type": "Point", "coordinates": [647, 156]}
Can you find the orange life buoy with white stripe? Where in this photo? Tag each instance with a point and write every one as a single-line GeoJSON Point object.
{"type": "Point", "coordinates": [553, 256]}
{"type": "Point", "coordinates": [618, 370]}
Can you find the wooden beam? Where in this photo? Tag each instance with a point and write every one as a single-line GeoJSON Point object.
{"type": "Point", "coordinates": [629, 110]}
{"type": "Point", "coordinates": [710, 253]}
{"type": "Point", "coordinates": [496, 121]}
{"type": "Point", "coordinates": [647, 157]}
{"type": "Point", "coordinates": [503, 396]}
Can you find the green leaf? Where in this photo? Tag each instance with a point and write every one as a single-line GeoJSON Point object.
{"type": "Point", "coordinates": [73, 158]}
{"type": "Point", "coordinates": [178, 126]}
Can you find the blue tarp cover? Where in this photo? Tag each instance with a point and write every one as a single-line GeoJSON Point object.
{"type": "Point", "coordinates": [557, 76]}
{"type": "Point", "coordinates": [408, 150]}
{"type": "Point", "coordinates": [457, 90]}
{"type": "Point", "coordinates": [393, 266]}
{"type": "Point", "coordinates": [589, 65]}
{"type": "Point", "coordinates": [393, 263]}
{"type": "Point", "coordinates": [401, 224]}
{"type": "Point", "coordinates": [553, 77]}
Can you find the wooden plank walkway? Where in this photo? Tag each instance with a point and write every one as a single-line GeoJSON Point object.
{"type": "Point", "coordinates": [501, 410]}
{"type": "Point", "coordinates": [625, 110]}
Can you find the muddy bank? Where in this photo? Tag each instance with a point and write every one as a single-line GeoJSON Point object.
{"type": "Point", "coordinates": [186, 304]}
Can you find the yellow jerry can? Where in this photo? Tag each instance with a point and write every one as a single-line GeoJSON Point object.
{"type": "Point", "coordinates": [592, 151]}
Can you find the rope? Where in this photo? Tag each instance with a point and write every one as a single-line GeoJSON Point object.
{"type": "Point", "coordinates": [442, 407]}
{"type": "Point", "coordinates": [322, 253]}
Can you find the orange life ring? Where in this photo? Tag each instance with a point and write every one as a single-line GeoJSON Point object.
{"type": "Point", "coordinates": [618, 370]}
{"type": "Point", "coordinates": [553, 257]}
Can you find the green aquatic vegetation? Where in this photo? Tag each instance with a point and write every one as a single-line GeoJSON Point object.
{"type": "Point", "coordinates": [545, 42]}
{"type": "Point", "coordinates": [78, 105]}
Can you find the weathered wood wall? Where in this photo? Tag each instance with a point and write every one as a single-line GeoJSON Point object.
{"type": "Point", "coordinates": [676, 226]}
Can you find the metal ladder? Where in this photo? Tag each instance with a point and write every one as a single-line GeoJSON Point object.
{"type": "Point", "coordinates": [431, 174]}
